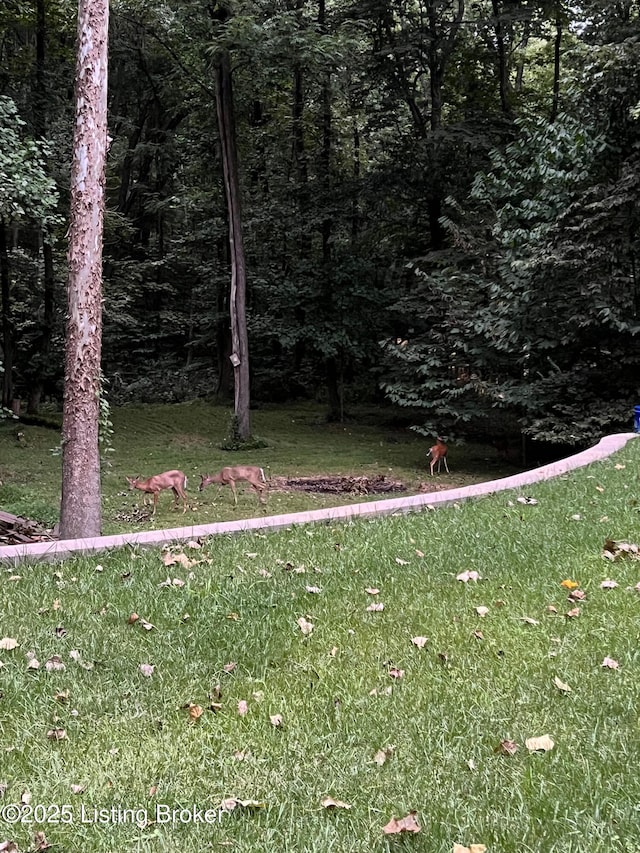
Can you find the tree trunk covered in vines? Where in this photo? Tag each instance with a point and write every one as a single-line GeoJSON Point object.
{"type": "Point", "coordinates": [237, 301]}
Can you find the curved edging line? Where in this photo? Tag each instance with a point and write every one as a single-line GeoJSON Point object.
{"type": "Point", "coordinates": [61, 549]}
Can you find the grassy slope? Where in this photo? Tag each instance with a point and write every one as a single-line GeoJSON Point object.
{"type": "Point", "coordinates": [130, 741]}
{"type": "Point", "coordinates": [151, 439]}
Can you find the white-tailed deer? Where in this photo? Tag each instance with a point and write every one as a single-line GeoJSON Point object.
{"type": "Point", "coordinates": [438, 454]}
{"type": "Point", "coordinates": [230, 476]}
{"type": "Point", "coordinates": [174, 480]}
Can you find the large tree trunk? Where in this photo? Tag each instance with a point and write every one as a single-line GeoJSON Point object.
{"type": "Point", "coordinates": [80, 514]}
{"type": "Point", "coordinates": [237, 302]}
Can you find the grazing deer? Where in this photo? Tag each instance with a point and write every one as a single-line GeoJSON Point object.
{"type": "Point", "coordinates": [230, 476]}
{"type": "Point", "coordinates": [438, 453]}
{"type": "Point", "coordinates": [174, 480]}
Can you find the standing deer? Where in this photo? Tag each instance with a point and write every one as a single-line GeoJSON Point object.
{"type": "Point", "coordinates": [438, 453]}
{"type": "Point", "coordinates": [230, 476]}
{"type": "Point", "coordinates": [174, 480]}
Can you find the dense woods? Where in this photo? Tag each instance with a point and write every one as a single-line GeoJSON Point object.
{"type": "Point", "coordinates": [432, 202]}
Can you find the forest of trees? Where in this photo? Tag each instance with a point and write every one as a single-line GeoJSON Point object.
{"type": "Point", "coordinates": [431, 202]}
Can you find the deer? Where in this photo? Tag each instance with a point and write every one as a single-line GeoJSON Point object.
{"type": "Point", "coordinates": [438, 454]}
{"type": "Point", "coordinates": [174, 480]}
{"type": "Point", "coordinates": [231, 475]}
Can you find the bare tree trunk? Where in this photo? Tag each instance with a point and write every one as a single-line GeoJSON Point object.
{"type": "Point", "coordinates": [237, 302]}
{"type": "Point", "coordinates": [80, 514]}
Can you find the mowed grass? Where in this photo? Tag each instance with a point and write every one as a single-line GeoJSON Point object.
{"type": "Point", "coordinates": [225, 631]}
{"type": "Point", "coordinates": [298, 442]}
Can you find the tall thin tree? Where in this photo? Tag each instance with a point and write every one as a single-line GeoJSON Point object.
{"type": "Point", "coordinates": [80, 514]}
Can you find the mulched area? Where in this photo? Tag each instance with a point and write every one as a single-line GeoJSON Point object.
{"type": "Point", "coordinates": [15, 530]}
{"type": "Point", "coordinates": [378, 485]}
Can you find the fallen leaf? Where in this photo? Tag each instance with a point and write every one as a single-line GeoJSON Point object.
{"type": "Point", "coordinates": [482, 610]}
{"type": "Point", "coordinates": [577, 595]}
{"type": "Point", "coordinates": [507, 747]}
{"type": "Point", "coordinates": [420, 642]}
{"type": "Point", "coordinates": [333, 652]}
{"type": "Point", "coordinates": [372, 590]}
{"type": "Point", "coordinates": [147, 669]}
{"type": "Point", "coordinates": [40, 841]}
{"type": "Point", "coordinates": [133, 618]}
{"type": "Point", "coordinates": [7, 644]}
{"type": "Point", "coordinates": [394, 672]}
{"type": "Point", "coordinates": [305, 627]}
{"type": "Point", "coordinates": [401, 562]}
{"type": "Point", "coordinates": [569, 584]}
{"type": "Point", "coordinates": [276, 720]}
{"type": "Point", "coordinates": [404, 824]}
{"type": "Point", "coordinates": [561, 685]}
{"type": "Point", "coordinates": [467, 576]}
{"type": "Point", "coordinates": [229, 667]}
{"type": "Point", "coordinates": [377, 607]}
{"type": "Point", "coordinates": [608, 584]}
{"type": "Point", "coordinates": [526, 500]}
{"type": "Point", "coordinates": [195, 711]}
{"type": "Point", "coordinates": [313, 589]}
{"type": "Point", "coordinates": [242, 707]}
{"type": "Point", "coordinates": [529, 620]}
{"type": "Point", "coordinates": [573, 613]}
{"type": "Point", "coordinates": [54, 663]}
{"type": "Point", "coordinates": [231, 803]}
{"type": "Point", "coordinates": [382, 755]}
{"type": "Point", "coordinates": [56, 734]}
{"type": "Point", "coordinates": [77, 789]}
{"type": "Point", "coordinates": [610, 663]}
{"type": "Point", "coordinates": [330, 803]}
{"type": "Point", "coordinates": [542, 743]}
{"type": "Point", "coordinates": [473, 848]}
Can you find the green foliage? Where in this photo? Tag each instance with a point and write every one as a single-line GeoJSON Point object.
{"type": "Point", "coordinates": [26, 190]}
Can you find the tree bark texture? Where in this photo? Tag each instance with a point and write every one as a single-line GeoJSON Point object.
{"type": "Point", "coordinates": [80, 514]}
{"type": "Point", "coordinates": [237, 302]}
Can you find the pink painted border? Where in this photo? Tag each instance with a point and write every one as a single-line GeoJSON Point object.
{"type": "Point", "coordinates": [61, 549]}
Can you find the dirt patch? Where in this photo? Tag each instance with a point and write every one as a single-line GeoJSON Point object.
{"type": "Point", "coordinates": [338, 485]}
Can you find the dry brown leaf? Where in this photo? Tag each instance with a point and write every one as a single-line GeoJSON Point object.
{"type": "Point", "coordinates": [54, 663]}
{"type": "Point", "coordinates": [507, 747]}
{"type": "Point", "coordinates": [543, 743]}
{"type": "Point", "coordinates": [330, 803]}
{"type": "Point", "coordinates": [610, 663]}
{"type": "Point", "coordinates": [195, 711]}
{"type": "Point", "coordinates": [473, 848]}
{"type": "Point", "coordinates": [40, 841]}
{"type": "Point", "coordinates": [229, 667]}
{"type": "Point", "coordinates": [394, 672]}
{"type": "Point", "coordinates": [276, 720]}
{"type": "Point", "coordinates": [529, 620]}
{"type": "Point", "coordinates": [377, 607]}
{"type": "Point", "coordinates": [420, 642]}
{"type": "Point", "coordinates": [577, 595]}
{"type": "Point", "coordinates": [56, 734]}
{"type": "Point", "coordinates": [573, 613]}
{"type": "Point", "coordinates": [305, 626]}
{"type": "Point", "coordinates": [561, 685]}
{"type": "Point", "coordinates": [482, 610]}
{"type": "Point", "coordinates": [372, 590]}
{"type": "Point", "coordinates": [404, 824]}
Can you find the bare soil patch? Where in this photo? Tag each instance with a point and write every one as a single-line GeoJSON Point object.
{"type": "Point", "coordinates": [329, 484]}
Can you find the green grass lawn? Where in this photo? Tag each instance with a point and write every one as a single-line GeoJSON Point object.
{"type": "Point", "coordinates": [215, 692]}
{"type": "Point", "coordinates": [150, 439]}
